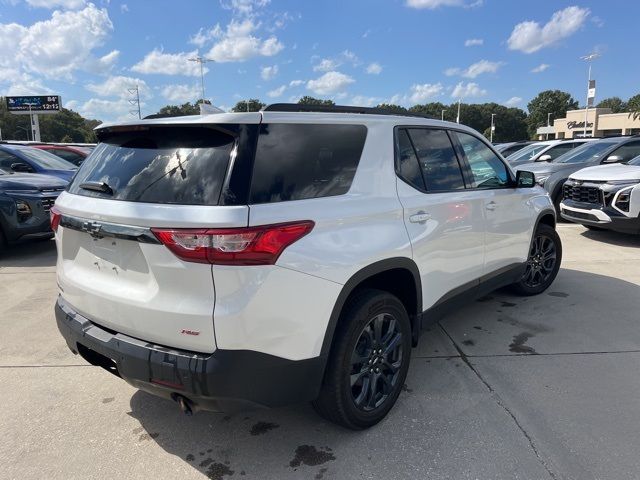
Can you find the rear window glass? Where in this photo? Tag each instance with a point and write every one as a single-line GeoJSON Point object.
{"type": "Point", "coordinates": [183, 165]}
{"type": "Point", "coordinates": [301, 161]}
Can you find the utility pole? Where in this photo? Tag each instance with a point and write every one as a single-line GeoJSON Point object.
{"type": "Point", "coordinates": [548, 124]}
{"type": "Point", "coordinates": [590, 89]}
{"type": "Point", "coordinates": [135, 101]}
{"type": "Point", "coordinates": [201, 61]}
{"type": "Point", "coordinates": [493, 127]}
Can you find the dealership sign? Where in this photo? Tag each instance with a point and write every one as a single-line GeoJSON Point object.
{"type": "Point", "coordinates": [34, 104]}
{"type": "Point", "coordinates": [574, 124]}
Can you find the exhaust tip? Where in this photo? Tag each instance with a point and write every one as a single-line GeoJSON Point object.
{"type": "Point", "coordinates": [186, 405]}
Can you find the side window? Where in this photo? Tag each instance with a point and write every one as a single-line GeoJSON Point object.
{"type": "Point", "coordinates": [627, 151]}
{"type": "Point", "coordinates": [408, 166]}
{"type": "Point", "coordinates": [558, 150]}
{"type": "Point", "coordinates": [300, 161]}
{"type": "Point", "coordinates": [437, 159]}
{"type": "Point", "coordinates": [487, 170]}
{"type": "Point", "coordinates": [6, 160]}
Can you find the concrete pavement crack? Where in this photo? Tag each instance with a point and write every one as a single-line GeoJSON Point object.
{"type": "Point", "coordinates": [500, 402]}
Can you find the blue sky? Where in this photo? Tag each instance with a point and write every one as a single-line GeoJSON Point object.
{"type": "Point", "coordinates": [352, 51]}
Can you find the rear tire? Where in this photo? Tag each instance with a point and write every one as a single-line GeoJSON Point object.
{"type": "Point", "coordinates": [368, 363]}
{"type": "Point", "coordinates": [543, 263]}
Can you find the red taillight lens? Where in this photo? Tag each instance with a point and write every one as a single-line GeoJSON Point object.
{"type": "Point", "coordinates": [233, 246]}
{"type": "Point", "coordinates": [55, 218]}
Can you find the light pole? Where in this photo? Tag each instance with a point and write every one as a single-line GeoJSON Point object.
{"type": "Point", "coordinates": [493, 127]}
{"type": "Point", "coordinates": [201, 61]}
{"type": "Point", "coordinates": [442, 116]}
{"type": "Point", "coordinates": [548, 124]}
{"type": "Point", "coordinates": [458, 117]}
{"type": "Point", "coordinates": [588, 58]}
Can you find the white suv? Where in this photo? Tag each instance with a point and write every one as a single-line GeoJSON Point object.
{"type": "Point", "coordinates": [288, 255]}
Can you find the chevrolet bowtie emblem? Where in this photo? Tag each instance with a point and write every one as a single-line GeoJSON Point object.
{"type": "Point", "coordinates": [92, 228]}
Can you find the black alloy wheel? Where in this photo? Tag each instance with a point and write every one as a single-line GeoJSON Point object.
{"type": "Point", "coordinates": [541, 262]}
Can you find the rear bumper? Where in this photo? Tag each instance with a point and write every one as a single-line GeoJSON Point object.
{"type": "Point", "coordinates": [226, 380]}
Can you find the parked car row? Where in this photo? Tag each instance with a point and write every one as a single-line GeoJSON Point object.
{"type": "Point", "coordinates": [595, 184]}
{"type": "Point", "coordinates": [31, 178]}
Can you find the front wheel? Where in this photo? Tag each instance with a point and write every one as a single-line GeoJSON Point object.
{"type": "Point", "coordinates": [543, 263]}
{"type": "Point", "coordinates": [368, 362]}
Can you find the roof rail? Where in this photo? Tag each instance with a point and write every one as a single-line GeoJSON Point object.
{"type": "Point", "coordinates": [297, 107]}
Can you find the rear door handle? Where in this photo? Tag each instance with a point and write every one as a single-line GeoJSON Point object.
{"type": "Point", "coordinates": [420, 217]}
{"type": "Point", "coordinates": [491, 206]}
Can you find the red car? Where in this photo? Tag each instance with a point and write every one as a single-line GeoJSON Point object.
{"type": "Point", "coordinates": [75, 155]}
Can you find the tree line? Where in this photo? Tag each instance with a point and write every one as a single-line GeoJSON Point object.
{"type": "Point", "coordinates": [511, 123]}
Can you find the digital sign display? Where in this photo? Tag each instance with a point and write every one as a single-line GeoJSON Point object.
{"type": "Point", "coordinates": [35, 104]}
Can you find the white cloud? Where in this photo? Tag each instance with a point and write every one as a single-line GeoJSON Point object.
{"type": "Point", "coordinates": [419, 93]}
{"type": "Point", "coordinates": [362, 101]}
{"type": "Point", "coordinates": [104, 64]}
{"type": "Point", "coordinates": [540, 68]}
{"type": "Point", "coordinates": [277, 92]}
{"type": "Point", "coordinates": [238, 43]}
{"type": "Point", "coordinates": [450, 72]}
{"type": "Point", "coordinates": [513, 101]}
{"type": "Point", "coordinates": [330, 83]}
{"type": "Point", "coordinates": [159, 62]}
{"type": "Point", "coordinates": [374, 68]}
{"type": "Point", "coordinates": [113, 109]}
{"type": "Point", "coordinates": [267, 73]}
{"type": "Point", "coordinates": [473, 42]}
{"type": "Point", "coordinates": [124, 8]}
{"type": "Point", "coordinates": [296, 83]}
{"type": "Point", "coordinates": [470, 89]}
{"type": "Point", "coordinates": [326, 65]}
{"type": "Point", "coordinates": [57, 47]}
{"type": "Point", "coordinates": [64, 4]}
{"type": "Point", "coordinates": [483, 66]}
{"type": "Point", "coordinates": [118, 86]}
{"type": "Point", "coordinates": [181, 93]}
{"type": "Point", "coordinates": [244, 7]}
{"type": "Point", "coordinates": [433, 4]}
{"type": "Point", "coordinates": [529, 36]}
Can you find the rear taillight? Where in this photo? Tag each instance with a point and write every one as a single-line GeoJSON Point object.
{"type": "Point", "coordinates": [55, 218]}
{"type": "Point", "coordinates": [233, 246]}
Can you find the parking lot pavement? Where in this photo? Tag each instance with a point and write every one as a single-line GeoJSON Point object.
{"type": "Point", "coordinates": [506, 387]}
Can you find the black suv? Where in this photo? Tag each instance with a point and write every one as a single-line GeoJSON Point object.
{"type": "Point", "coordinates": [25, 201]}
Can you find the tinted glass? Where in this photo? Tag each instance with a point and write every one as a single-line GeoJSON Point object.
{"type": "Point", "coordinates": [558, 150]}
{"type": "Point", "coordinates": [487, 170]}
{"type": "Point", "coordinates": [68, 155]}
{"type": "Point", "coordinates": [635, 161]}
{"type": "Point", "coordinates": [437, 159]}
{"type": "Point", "coordinates": [408, 165]}
{"type": "Point", "coordinates": [586, 153]}
{"type": "Point", "coordinates": [6, 160]}
{"type": "Point", "coordinates": [45, 160]}
{"type": "Point", "coordinates": [527, 153]}
{"type": "Point", "coordinates": [184, 165]}
{"type": "Point", "coordinates": [299, 161]}
{"type": "Point", "coordinates": [627, 151]}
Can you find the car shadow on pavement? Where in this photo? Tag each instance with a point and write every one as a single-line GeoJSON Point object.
{"type": "Point", "coordinates": [613, 238]}
{"type": "Point", "coordinates": [39, 253]}
{"type": "Point", "coordinates": [297, 443]}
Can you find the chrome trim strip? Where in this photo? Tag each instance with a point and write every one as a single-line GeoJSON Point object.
{"type": "Point", "coordinates": [106, 229]}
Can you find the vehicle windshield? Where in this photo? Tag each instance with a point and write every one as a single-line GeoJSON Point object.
{"type": "Point", "coordinates": [635, 161]}
{"type": "Point", "coordinates": [584, 153]}
{"type": "Point", "coordinates": [46, 160]}
{"type": "Point", "coordinates": [527, 152]}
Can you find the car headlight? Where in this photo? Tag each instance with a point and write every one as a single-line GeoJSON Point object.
{"type": "Point", "coordinates": [23, 210]}
{"type": "Point", "coordinates": [540, 179]}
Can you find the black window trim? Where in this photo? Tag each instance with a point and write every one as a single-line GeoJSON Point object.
{"type": "Point", "coordinates": [397, 160]}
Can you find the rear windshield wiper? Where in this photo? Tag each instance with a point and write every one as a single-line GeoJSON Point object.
{"type": "Point", "coordinates": [101, 187]}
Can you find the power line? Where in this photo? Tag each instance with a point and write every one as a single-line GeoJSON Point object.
{"type": "Point", "coordinates": [201, 61]}
{"type": "Point", "coordinates": [135, 101]}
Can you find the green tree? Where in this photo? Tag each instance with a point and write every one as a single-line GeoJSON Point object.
{"type": "Point", "coordinates": [555, 102]}
{"type": "Point", "coordinates": [433, 110]}
{"type": "Point", "coordinates": [180, 110]}
{"type": "Point", "coordinates": [633, 105]}
{"type": "Point", "coordinates": [616, 104]}
{"type": "Point", "coordinates": [306, 100]}
{"type": "Point", "coordinates": [251, 105]}
{"type": "Point", "coordinates": [392, 108]}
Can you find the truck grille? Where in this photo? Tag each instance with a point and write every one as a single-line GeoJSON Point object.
{"type": "Point", "coordinates": [582, 194]}
{"type": "Point", "coordinates": [48, 202]}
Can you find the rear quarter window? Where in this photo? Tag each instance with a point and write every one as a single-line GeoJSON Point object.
{"type": "Point", "coordinates": [177, 165]}
{"type": "Point", "coordinates": [302, 161]}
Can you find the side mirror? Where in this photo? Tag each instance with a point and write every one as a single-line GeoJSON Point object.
{"type": "Point", "coordinates": [544, 158]}
{"type": "Point", "coordinates": [21, 167]}
{"type": "Point", "coordinates": [525, 179]}
{"type": "Point", "coordinates": [613, 159]}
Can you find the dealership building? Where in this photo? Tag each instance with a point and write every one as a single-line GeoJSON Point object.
{"type": "Point", "coordinates": [600, 123]}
